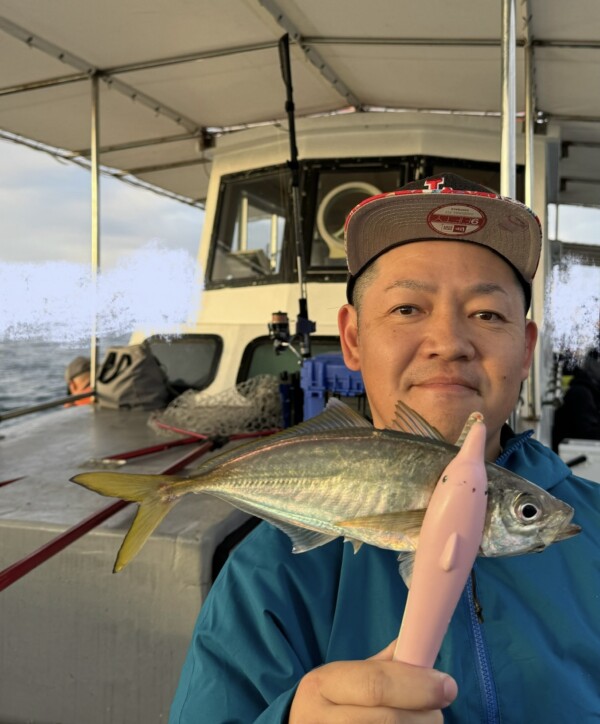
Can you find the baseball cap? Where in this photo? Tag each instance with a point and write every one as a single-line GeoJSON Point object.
{"type": "Point", "coordinates": [444, 207]}
{"type": "Point", "coordinates": [77, 366]}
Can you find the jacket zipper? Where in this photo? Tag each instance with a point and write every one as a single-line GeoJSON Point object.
{"type": "Point", "coordinates": [513, 444]}
{"type": "Point", "coordinates": [483, 666]}
{"type": "Point", "coordinates": [482, 662]}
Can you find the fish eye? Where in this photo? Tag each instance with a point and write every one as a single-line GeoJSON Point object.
{"type": "Point", "coordinates": [527, 509]}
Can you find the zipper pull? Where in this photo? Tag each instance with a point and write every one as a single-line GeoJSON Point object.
{"type": "Point", "coordinates": [477, 606]}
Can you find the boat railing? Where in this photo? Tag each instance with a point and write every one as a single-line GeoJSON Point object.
{"type": "Point", "coordinates": [29, 409]}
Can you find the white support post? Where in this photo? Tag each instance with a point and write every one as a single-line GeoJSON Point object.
{"type": "Point", "coordinates": [95, 221]}
{"type": "Point", "coordinates": [508, 153]}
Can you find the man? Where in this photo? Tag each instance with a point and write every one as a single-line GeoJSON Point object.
{"type": "Point", "coordinates": [579, 414]}
{"type": "Point", "coordinates": [440, 281]}
{"type": "Point", "coordinates": [77, 377]}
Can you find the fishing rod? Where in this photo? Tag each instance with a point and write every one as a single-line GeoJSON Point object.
{"type": "Point", "coordinates": [304, 326]}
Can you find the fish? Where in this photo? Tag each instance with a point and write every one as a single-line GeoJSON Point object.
{"type": "Point", "coordinates": [335, 475]}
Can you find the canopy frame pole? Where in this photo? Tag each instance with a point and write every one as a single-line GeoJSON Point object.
{"type": "Point", "coordinates": [532, 400]}
{"type": "Point", "coordinates": [508, 135]}
{"type": "Point", "coordinates": [95, 221]}
{"type": "Point", "coordinates": [508, 154]}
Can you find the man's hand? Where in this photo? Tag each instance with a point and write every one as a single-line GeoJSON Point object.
{"type": "Point", "coordinates": [375, 690]}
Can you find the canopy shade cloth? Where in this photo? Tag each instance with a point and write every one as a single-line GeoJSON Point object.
{"type": "Point", "coordinates": [177, 74]}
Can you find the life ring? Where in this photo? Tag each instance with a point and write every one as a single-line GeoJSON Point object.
{"type": "Point", "coordinates": [334, 208]}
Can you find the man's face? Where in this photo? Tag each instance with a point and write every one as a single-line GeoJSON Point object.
{"type": "Point", "coordinates": [441, 328]}
{"type": "Point", "coordinates": [80, 384]}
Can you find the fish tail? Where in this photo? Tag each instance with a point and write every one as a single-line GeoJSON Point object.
{"type": "Point", "coordinates": [149, 515]}
{"type": "Point", "coordinates": [146, 490]}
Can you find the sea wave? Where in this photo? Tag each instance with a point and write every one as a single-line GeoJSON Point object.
{"type": "Point", "coordinates": [32, 371]}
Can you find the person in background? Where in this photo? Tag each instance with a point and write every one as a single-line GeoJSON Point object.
{"type": "Point", "coordinates": [578, 416]}
{"type": "Point", "coordinates": [440, 283]}
{"type": "Point", "coordinates": [77, 377]}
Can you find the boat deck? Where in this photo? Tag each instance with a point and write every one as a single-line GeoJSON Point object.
{"type": "Point", "coordinates": [100, 647]}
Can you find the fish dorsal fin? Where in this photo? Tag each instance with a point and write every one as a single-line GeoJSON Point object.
{"type": "Point", "coordinates": [408, 420]}
{"type": "Point", "coordinates": [406, 563]}
{"type": "Point", "coordinates": [473, 418]}
{"type": "Point", "coordinates": [335, 416]}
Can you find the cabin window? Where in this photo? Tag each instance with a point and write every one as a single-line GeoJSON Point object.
{"type": "Point", "coordinates": [250, 228]}
{"type": "Point", "coordinates": [335, 188]}
{"type": "Point", "coordinates": [188, 360]}
{"type": "Point", "coordinates": [339, 190]}
{"type": "Point", "coordinates": [252, 241]}
{"type": "Point", "coordinates": [259, 357]}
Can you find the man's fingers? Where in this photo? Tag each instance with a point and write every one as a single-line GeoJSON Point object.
{"type": "Point", "coordinates": [379, 683]}
{"type": "Point", "coordinates": [376, 690]}
{"type": "Point", "coordinates": [361, 715]}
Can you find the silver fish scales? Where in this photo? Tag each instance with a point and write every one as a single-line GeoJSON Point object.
{"type": "Point", "coordinates": [335, 475]}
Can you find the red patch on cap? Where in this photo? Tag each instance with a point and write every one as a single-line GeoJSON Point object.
{"type": "Point", "coordinates": [456, 219]}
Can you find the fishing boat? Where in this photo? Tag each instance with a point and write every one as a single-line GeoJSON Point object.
{"type": "Point", "coordinates": [276, 141]}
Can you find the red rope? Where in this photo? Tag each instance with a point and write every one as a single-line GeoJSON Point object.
{"type": "Point", "coordinates": [19, 569]}
{"type": "Point", "coordinates": [14, 480]}
{"type": "Point", "coordinates": [153, 448]}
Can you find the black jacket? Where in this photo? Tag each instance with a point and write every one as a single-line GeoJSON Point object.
{"type": "Point", "coordinates": [579, 415]}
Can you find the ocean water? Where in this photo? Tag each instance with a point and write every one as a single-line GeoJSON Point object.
{"type": "Point", "coordinates": [32, 371]}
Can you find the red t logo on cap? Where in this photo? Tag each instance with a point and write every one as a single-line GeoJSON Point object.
{"type": "Point", "coordinates": [434, 184]}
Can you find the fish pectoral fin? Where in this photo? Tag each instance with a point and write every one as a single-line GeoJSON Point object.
{"type": "Point", "coordinates": [406, 522]}
{"type": "Point", "coordinates": [304, 539]}
{"type": "Point", "coordinates": [406, 562]}
{"type": "Point", "coordinates": [408, 420]}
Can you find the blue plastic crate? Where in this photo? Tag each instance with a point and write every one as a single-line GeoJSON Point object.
{"type": "Point", "coordinates": [324, 375]}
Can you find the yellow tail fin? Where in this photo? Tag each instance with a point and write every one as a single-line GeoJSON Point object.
{"type": "Point", "coordinates": [147, 490]}
{"type": "Point", "coordinates": [149, 515]}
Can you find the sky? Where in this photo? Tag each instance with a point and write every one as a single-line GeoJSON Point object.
{"type": "Point", "coordinates": [45, 248]}
{"type": "Point", "coordinates": [46, 212]}
{"type": "Point", "coordinates": [150, 276]}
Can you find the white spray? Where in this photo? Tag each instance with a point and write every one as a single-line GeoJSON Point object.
{"type": "Point", "coordinates": [572, 308]}
{"type": "Point", "coordinates": [151, 289]}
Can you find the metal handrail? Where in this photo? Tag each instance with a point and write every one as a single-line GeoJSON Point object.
{"type": "Point", "coordinates": [19, 411]}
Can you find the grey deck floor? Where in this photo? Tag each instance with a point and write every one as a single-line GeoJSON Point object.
{"type": "Point", "coordinates": [79, 643]}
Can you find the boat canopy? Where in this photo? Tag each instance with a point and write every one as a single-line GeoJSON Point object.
{"type": "Point", "coordinates": [172, 77]}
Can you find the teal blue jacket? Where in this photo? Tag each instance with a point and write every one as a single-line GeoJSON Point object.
{"type": "Point", "coordinates": [272, 616]}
